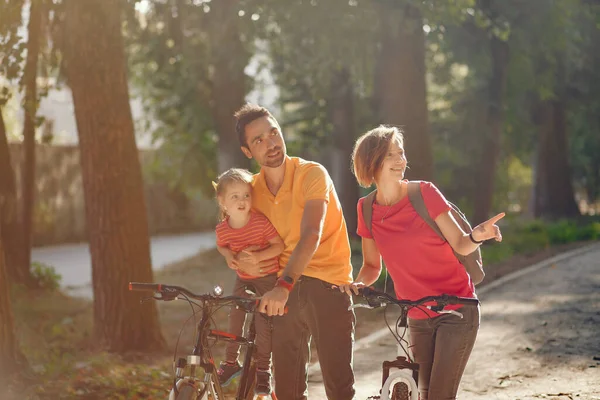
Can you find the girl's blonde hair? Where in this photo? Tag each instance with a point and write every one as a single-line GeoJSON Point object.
{"type": "Point", "coordinates": [370, 150]}
{"type": "Point", "coordinates": [232, 175]}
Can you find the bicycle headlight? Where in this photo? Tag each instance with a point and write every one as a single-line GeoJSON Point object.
{"type": "Point", "coordinates": [218, 291]}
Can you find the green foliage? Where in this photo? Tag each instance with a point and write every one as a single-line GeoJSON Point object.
{"type": "Point", "coordinates": [174, 49]}
{"type": "Point", "coordinates": [309, 42]}
{"type": "Point", "coordinates": [539, 35]}
{"type": "Point", "coordinates": [584, 87]}
{"type": "Point", "coordinates": [11, 46]}
{"type": "Point", "coordinates": [46, 276]}
{"type": "Point", "coordinates": [495, 253]}
{"type": "Point", "coordinates": [529, 237]}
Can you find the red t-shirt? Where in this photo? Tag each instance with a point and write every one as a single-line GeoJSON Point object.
{"type": "Point", "coordinates": [419, 262]}
{"type": "Point", "coordinates": [257, 232]}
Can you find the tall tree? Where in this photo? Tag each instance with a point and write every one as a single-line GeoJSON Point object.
{"type": "Point", "coordinates": [116, 218]}
{"type": "Point", "coordinates": [552, 54]}
{"type": "Point", "coordinates": [400, 84]}
{"type": "Point", "coordinates": [10, 228]}
{"type": "Point", "coordinates": [322, 65]}
{"type": "Point", "coordinates": [553, 192]}
{"type": "Point", "coordinates": [229, 58]}
{"type": "Point", "coordinates": [494, 126]}
{"type": "Point", "coordinates": [343, 134]}
{"type": "Point", "coordinates": [341, 105]}
{"type": "Point", "coordinates": [188, 62]}
{"type": "Point", "coordinates": [13, 46]}
{"type": "Point", "coordinates": [11, 358]}
{"type": "Point", "coordinates": [30, 107]}
{"type": "Point", "coordinates": [584, 104]}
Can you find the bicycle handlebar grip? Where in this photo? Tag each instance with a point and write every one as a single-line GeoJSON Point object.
{"type": "Point", "coordinates": [366, 291]}
{"type": "Point", "coordinates": [467, 301]}
{"type": "Point", "coordinates": [145, 287]}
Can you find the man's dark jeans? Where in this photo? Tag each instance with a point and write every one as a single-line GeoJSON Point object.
{"type": "Point", "coordinates": [315, 311]}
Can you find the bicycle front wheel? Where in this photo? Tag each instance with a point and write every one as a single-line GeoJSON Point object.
{"type": "Point", "coordinates": [400, 386]}
{"type": "Point", "coordinates": [400, 391]}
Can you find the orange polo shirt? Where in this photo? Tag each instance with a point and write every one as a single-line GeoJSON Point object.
{"type": "Point", "coordinates": [303, 181]}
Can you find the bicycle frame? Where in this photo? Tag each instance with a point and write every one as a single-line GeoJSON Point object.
{"type": "Point", "coordinates": [202, 356]}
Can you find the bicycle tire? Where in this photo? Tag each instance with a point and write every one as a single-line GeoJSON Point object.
{"type": "Point", "coordinates": [401, 377]}
{"type": "Point", "coordinates": [187, 392]}
{"type": "Point", "coordinates": [400, 391]}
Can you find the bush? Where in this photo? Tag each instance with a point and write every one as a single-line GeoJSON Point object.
{"type": "Point", "coordinates": [563, 232]}
{"type": "Point", "coordinates": [529, 237]}
{"type": "Point", "coordinates": [496, 252]}
{"type": "Point", "coordinates": [45, 276]}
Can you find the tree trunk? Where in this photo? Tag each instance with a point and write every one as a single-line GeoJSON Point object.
{"type": "Point", "coordinates": [114, 199]}
{"type": "Point", "coordinates": [492, 135]}
{"type": "Point", "coordinates": [30, 107]}
{"type": "Point", "coordinates": [12, 360]}
{"type": "Point", "coordinates": [229, 84]}
{"type": "Point", "coordinates": [342, 119]}
{"type": "Point", "coordinates": [16, 268]}
{"type": "Point", "coordinates": [554, 195]}
{"type": "Point", "coordinates": [400, 87]}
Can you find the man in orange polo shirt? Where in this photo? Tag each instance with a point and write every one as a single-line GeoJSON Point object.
{"type": "Point", "coordinates": [299, 199]}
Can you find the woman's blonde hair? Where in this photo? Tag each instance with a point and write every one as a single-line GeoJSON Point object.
{"type": "Point", "coordinates": [232, 175]}
{"type": "Point", "coordinates": [370, 150]}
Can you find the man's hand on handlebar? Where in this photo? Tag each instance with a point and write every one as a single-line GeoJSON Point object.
{"type": "Point", "coordinates": [273, 302]}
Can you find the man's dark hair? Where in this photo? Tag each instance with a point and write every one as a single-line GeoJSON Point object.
{"type": "Point", "coordinates": [244, 116]}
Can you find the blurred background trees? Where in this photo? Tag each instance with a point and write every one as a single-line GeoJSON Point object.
{"type": "Point", "coordinates": [499, 101]}
{"type": "Point", "coordinates": [496, 98]}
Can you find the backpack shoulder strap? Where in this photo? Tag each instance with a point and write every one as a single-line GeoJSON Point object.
{"type": "Point", "coordinates": [416, 199]}
{"type": "Point", "coordinates": [367, 209]}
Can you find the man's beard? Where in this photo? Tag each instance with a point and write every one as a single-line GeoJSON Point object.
{"type": "Point", "coordinates": [277, 161]}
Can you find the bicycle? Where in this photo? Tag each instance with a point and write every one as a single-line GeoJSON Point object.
{"type": "Point", "coordinates": [190, 387]}
{"type": "Point", "coordinates": [402, 383]}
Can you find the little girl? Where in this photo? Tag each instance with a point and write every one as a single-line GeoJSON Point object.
{"type": "Point", "coordinates": [244, 234]}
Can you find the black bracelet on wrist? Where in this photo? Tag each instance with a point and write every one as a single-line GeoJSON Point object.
{"type": "Point", "coordinates": [473, 240]}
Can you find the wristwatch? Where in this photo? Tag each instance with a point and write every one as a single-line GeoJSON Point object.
{"type": "Point", "coordinates": [285, 282]}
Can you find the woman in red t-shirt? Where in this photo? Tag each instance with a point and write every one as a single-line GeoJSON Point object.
{"type": "Point", "coordinates": [419, 262]}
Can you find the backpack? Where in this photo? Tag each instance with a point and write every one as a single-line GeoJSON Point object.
{"type": "Point", "coordinates": [472, 262]}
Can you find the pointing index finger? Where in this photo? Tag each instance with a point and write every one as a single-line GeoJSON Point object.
{"type": "Point", "coordinates": [497, 218]}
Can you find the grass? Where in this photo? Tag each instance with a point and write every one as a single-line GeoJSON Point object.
{"type": "Point", "coordinates": [55, 330]}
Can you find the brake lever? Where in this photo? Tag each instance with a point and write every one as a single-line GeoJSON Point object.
{"type": "Point", "coordinates": [364, 305]}
{"type": "Point", "coordinates": [161, 296]}
{"type": "Point", "coordinates": [453, 312]}
{"type": "Point", "coordinates": [146, 299]}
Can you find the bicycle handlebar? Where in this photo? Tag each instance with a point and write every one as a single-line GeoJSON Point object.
{"type": "Point", "coordinates": [170, 292]}
{"type": "Point", "coordinates": [444, 299]}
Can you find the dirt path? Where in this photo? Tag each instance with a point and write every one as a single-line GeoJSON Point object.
{"type": "Point", "coordinates": [539, 338]}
